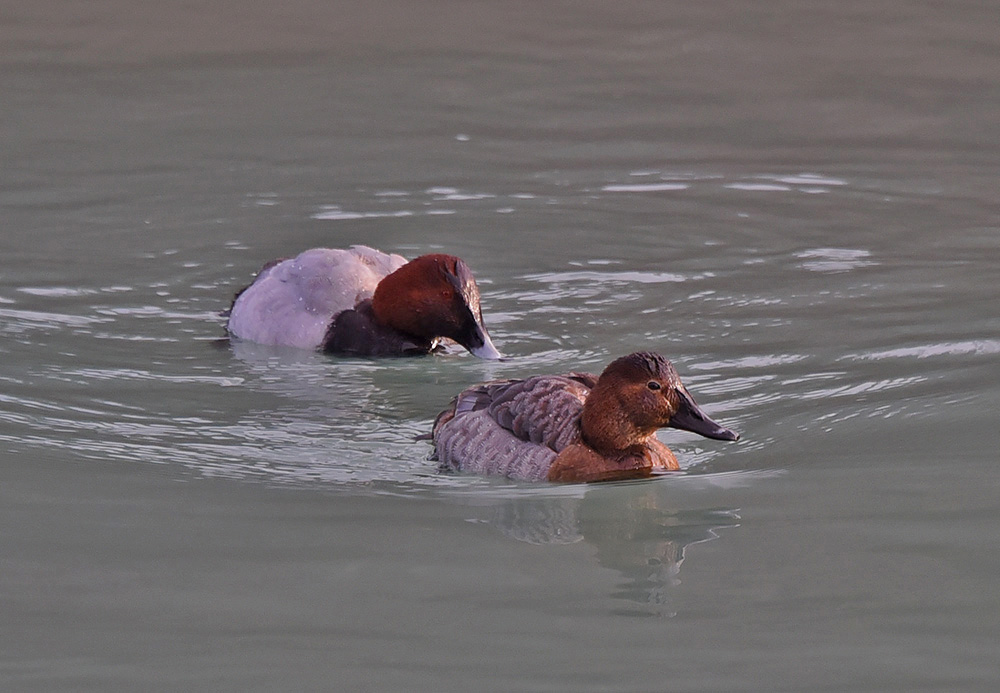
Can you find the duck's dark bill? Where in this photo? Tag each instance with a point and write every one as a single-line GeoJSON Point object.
{"type": "Point", "coordinates": [690, 417]}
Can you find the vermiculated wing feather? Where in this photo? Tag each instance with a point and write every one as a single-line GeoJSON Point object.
{"type": "Point", "coordinates": [513, 428]}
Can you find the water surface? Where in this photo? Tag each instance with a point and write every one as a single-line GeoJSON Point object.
{"type": "Point", "coordinates": [795, 203]}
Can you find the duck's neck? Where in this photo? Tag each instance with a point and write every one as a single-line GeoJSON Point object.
{"type": "Point", "coordinates": [606, 427]}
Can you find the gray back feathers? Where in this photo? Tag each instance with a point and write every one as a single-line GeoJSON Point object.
{"type": "Point", "coordinates": [513, 428]}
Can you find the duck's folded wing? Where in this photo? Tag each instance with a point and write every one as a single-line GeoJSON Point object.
{"type": "Point", "coordinates": [513, 428]}
{"type": "Point", "coordinates": [544, 410]}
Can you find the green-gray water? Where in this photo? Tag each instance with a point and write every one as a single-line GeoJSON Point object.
{"type": "Point", "coordinates": [795, 202]}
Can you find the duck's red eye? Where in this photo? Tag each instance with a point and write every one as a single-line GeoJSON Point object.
{"type": "Point", "coordinates": [653, 385]}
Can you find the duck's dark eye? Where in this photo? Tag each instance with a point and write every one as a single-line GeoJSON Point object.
{"type": "Point", "coordinates": [653, 385]}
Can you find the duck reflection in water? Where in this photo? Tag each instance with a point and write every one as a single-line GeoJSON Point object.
{"type": "Point", "coordinates": [633, 528]}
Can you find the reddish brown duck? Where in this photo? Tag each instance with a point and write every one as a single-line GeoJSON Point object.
{"type": "Point", "coordinates": [574, 427]}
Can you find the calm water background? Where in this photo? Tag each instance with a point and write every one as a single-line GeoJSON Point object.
{"type": "Point", "coordinates": [796, 202]}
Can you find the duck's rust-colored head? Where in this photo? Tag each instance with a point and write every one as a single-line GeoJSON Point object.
{"type": "Point", "coordinates": [636, 395]}
{"type": "Point", "coordinates": [435, 296]}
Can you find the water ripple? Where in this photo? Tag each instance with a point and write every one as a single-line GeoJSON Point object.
{"type": "Point", "coordinates": [44, 319]}
{"type": "Point", "coordinates": [834, 259]}
{"type": "Point", "coordinates": [976, 347]}
{"type": "Point", "coordinates": [400, 203]}
{"type": "Point", "coordinates": [623, 277]}
{"type": "Point", "coordinates": [645, 187]}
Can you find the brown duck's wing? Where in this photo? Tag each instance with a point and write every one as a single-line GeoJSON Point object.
{"type": "Point", "coordinates": [544, 410]}
{"type": "Point", "coordinates": [588, 380]}
{"type": "Point", "coordinates": [512, 428]}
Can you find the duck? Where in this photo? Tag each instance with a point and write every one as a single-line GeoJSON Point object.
{"type": "Point", "coordinates": [360, 301]}
{"type": "Point", "coordinates": [576, 427]}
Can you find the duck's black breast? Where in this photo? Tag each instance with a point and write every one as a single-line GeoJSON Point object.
{"type": "Point", "coordinates": [356, 332]}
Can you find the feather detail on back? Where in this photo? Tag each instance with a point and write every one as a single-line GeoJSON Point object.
{"type": "Point", "coordinates": [513, 428]}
